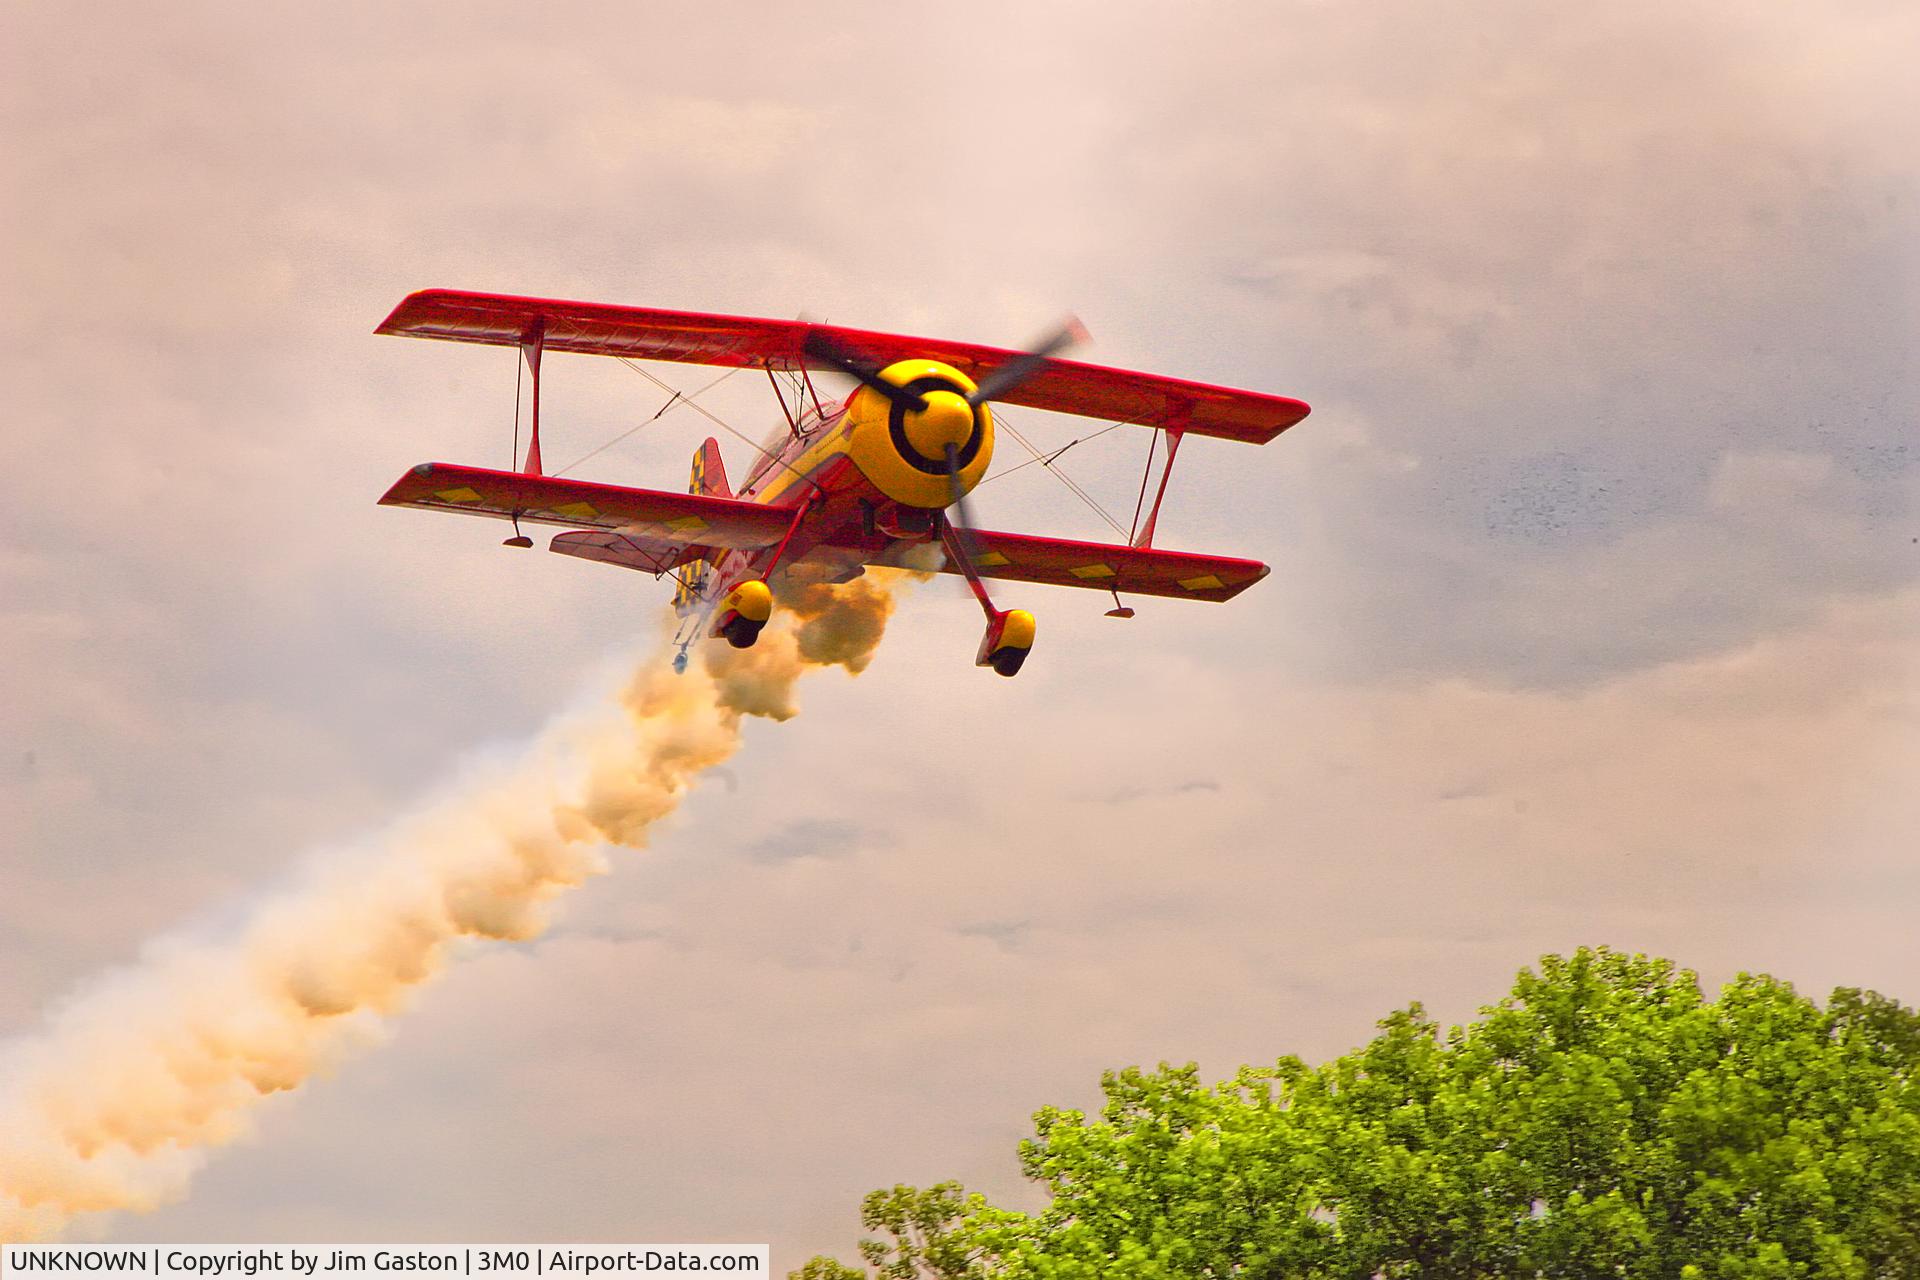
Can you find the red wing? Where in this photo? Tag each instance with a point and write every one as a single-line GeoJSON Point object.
{"type": "Point", "coordinates": [680, 519]}
{"type": "Point", "coordinates": [645, 333]}
{"type": "Point", "coordinates": [1140, 571]}
{"type": "Point", "coordinates": [1151, 400]}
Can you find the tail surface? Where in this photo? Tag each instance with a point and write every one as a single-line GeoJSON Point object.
{"type": "Point", "coordinates": [709, 473]}
{"type": "Point", "coordinates": [710, 480]}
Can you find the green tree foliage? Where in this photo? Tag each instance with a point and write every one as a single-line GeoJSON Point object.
{"type": "Point", "coordinates": [1605, 1119]}
{"type": "Point", "coordinates": [921, 1237]}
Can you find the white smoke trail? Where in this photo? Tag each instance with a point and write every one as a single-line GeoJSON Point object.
{"type": "Point", "coordinates": [115, 1105]}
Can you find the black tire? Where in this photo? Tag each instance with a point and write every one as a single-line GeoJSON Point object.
{"type": "Point", "coordinates": [741, 632]}
{"type": "Point", "coordinates": [1007, 661]}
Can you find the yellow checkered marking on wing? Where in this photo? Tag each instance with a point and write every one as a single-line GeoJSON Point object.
{"type": "Point", "coordinates": [462, 494]}
{"type": "Point", "coordinates": [687, 524]}
{"type": "Point", "coordinates": [1205, 582]}
{"type": "Point", "coordinates": [1092, 571]}
{"type": "Point", "coordinates": [991, 560]}
{"type": "Point", "coordinates": [577, 511]}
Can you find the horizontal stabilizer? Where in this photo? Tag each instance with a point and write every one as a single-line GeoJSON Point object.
{"type": "Point", "coordinates": [675, 519]}
{"type": "Point", "coordinates": [629, 551]}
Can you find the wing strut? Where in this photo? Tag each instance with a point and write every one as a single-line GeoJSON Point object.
{"type": "Point", "coordinates": [532, 343]}
{"type": "Point", "coordinates": [1144, 538]}
{"type": "Point", "coordinates": [799, 513]}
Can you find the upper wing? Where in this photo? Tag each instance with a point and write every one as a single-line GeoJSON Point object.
{"type": "Point", "coordinates": [647, 333]}
{"type": "Point", "coordinates": [1142, 571]}
{"type": "Point", "coordinates": [681, 519]}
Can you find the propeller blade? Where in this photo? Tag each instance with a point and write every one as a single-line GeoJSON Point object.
{"type": "Point", "coordinates": [960, 518]}
{"type": "Point", "coordinates": [822, 349]}
{"type": "Point", "coordinates": [959, 540]}
{"type": "Point", "coordinates": [1017, 370]}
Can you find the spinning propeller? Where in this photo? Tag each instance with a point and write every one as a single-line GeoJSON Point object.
{"type": "Point", "coordinates": [1005, 378]}
{"type": "Point", "coordinates": [828, 352]}
{"type": "Point", "coordinates": [995, 386]}
{"type": "Point", "coordinates": [944, 419]}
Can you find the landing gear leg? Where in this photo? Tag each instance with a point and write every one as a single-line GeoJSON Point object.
{"type": "Point", "coordinates": [1009, 636]}
{"type": "Point", "coordinates": [747, 607]}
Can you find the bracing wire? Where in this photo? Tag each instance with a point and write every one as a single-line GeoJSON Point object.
{"type": "Point", "coordinates": [1139, 503]}
{"type": "Point", "coordinates": [676, 398]}
{"type": "Point", "coordinates": [714, 418]}
{"type": "Point", "coordinates": [519, 372]}
{"type": "Point", "coordinates": [690, 401]}
{"type": "Point", "coordinates": [1047, 461]}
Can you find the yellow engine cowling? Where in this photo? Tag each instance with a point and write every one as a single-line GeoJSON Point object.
{"type": "Point", "coordinates": [902, 451]}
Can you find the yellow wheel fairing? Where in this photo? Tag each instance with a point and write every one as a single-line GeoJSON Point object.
{"type": "Point", "coordinates": [896, 457]}
{"type": "Point", "coordinates": [752, 600]}
{"type": "Point", "coordinates": [1018, 630]}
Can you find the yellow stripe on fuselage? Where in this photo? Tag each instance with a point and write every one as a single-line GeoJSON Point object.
{"type": "Point", "coordinates": [863, 434]}
{"type": "Point", "coordinates": [789, 472]}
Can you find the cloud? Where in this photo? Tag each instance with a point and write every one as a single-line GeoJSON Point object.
{"type": "Point", "coordinates": [810, 838]}
{"type": "Point", "coordinates": [1007, 935]}
{"type": "Point", "coordinates": [1188, 787]}
{"type": "Point", "coordinates": [1768, 481]}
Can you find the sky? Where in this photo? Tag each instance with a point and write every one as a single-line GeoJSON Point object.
{"type": "Point", "coordinates": [1592, 620]}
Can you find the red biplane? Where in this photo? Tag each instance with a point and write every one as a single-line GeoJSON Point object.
{"type": "Point", "coordinates": [879, 477]}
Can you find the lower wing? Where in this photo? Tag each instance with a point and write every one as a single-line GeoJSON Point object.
{"type": "Point", "coordinates": [653, 518]}
{"type": "Point", "coordinates": [1142, 571]}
